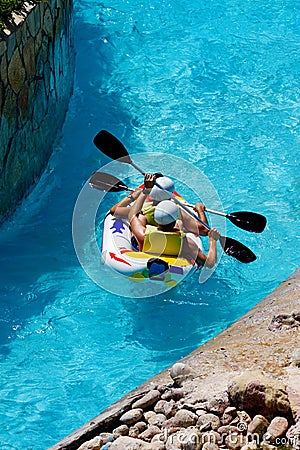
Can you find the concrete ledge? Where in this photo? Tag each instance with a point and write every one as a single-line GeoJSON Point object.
{"type": "Point", "coordinates": [266, 339]}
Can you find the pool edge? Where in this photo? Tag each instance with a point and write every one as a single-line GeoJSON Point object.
{"type": "Point", "coordinates": [245, 343]}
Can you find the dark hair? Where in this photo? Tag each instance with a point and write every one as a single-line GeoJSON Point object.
{"type": "Point", "coordinates": [168, 225]}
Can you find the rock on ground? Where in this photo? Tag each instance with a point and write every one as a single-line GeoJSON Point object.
{"type": "Point", "coordinates": [128, 443]}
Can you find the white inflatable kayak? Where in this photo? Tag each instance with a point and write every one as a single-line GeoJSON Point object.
{"type": "Point", "coordinates": [119, 253]}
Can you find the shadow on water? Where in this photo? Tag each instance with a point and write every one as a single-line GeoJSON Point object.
{"type": "Point", "coordinates": [180, 319]}
{"type": "Point", "coordinates": [37, 240]}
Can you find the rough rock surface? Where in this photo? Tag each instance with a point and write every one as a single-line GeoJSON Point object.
{"type": "Point", "coordinates": [196, 429]}
{"type": "Point", "coordinates": [254, 391]}
{"type": "Point", "coordinates": [216, 380]}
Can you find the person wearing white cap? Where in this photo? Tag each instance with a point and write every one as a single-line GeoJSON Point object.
{"type": "Point", "coordinates": [165, 191]}
{"type": "Point", "coordinates": [167, 238]}
{"type": "Point", "coordinates": [156, 195]}
{"type": "Point", "coordinates": [188, 224]}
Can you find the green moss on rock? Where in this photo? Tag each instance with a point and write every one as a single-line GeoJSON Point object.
{"type": "Point", "coordinates": [6, 9]}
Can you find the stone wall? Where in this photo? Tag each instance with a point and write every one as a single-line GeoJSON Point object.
{"type": "Point", "coordinates": [36, 82]}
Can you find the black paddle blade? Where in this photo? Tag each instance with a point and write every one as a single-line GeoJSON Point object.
{"type": "Point", "coordinates": [111, 146]}
{"type": "Point", "coordinates": [107, 183]}
{"type": "Point", "coordinates": [248, 221]}
{"type": "Point", "coordinates": [236, 249]}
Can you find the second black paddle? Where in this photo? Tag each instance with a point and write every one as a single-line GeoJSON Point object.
{"type": "Point", "coordinates": [245, 220]}
{"type": "Point", "coordinates": [107, 183]}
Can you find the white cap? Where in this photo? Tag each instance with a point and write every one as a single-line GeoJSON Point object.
{"type": "Point", "coordinates": [161, 194]}
{"type": "Point", "coordinates": [166, 212]}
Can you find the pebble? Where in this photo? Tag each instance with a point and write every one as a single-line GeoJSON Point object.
{"type": "Point", "coordinates": [217, 405]}
{"type": "Point", "coordinates": [173, 442]}
{"type": "Point", "coordinates": [181, 372]}
{"type": "Point", "coordinates": [194, 406]}
{"type": "Point", "coordinates": [122, 430]}
{"type": "Point", "coordinates": [162, 388]}
{"type": "Point", "coordinates": [149, 433]}
{"type": "Point", "coordinates": [173, 394]}
{"type": "Point", "coordinates": [93, 444]}
{"type": "Point", "coordinates": [185, 418]}
{"type": "Point", "coordinates": [277, 428]}
{"type": "Point", "coordinates": [128, 443]}
{"type": "Point", "coordinates": [147, 400]}
{"type": "Point", "coordinates": [134, 432]}
{"type": "Point", "coordinates": [210, 446]}
{"type": "Point", "coordinates": [148, 415]}
{"type": "Point", "coordinates": [265, 446]}
{"type": "Point", "coordinates": [229, 415]}
{"type": "Point", "coordinates": [167, 408]}
{"type": "Point", "coordinates": [243, 416]}
{"type": "Point", "coordinates": [158, 437]}
{"type": "Point", "coordinates": [132, 416]}
{"type": "Point", "coordinates": [141, 426]}
{"type": "Point", "coordinates": [212, 437]}
{"type": "Point", "coordinates": [157, 419]}
{"type": "Point", "coordinates": [250, 446]}
{"type": "Point", "coordinates": [208, 421]}
{"type": "Point", "coordinates": [190, 439]}
{"type": "Point", "coordinates": [137, 429]}
{"type": "Point", "coordinates": [228, 429]}
{"type": "Point", "coordinates": [258, 424]}
{"type": "Point", "coordinates": [235, 441]}
{"type": "Point", "coordinates": [106, 437]}
{"type": "Point", "coordinates": [159, 408]}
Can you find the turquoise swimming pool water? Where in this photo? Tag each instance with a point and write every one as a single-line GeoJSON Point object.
{"type": "Point", "coordinates": [215, 83]}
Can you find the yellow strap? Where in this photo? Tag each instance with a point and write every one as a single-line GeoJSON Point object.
{"type": "Point", "coordinates": [173, 261]}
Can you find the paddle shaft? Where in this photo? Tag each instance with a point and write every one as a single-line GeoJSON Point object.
{"type": "Point", "coordinates": [126, 188]}
{"type": "Point", "coordinates": [246, 220]}
{"type": "Point", "coordinates": [100, 184]}
{"type": "Point", "coordinates": [211, 211]}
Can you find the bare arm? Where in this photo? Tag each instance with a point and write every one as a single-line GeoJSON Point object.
{"type": "Point", "coordinates": [211, 257]}
{"type": "Point", "coordinates": [138, 204]}
{"type": "Point", "coordinates": [200, 209]}
{"type": "Point", "coordinates": [121, 209]}
{"type": "Point", "coordinates": [190, 250]}
{"type": "Point", "coordinates": [192, 225]}
{"type": "Point", "coordinates": [137, 226]}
